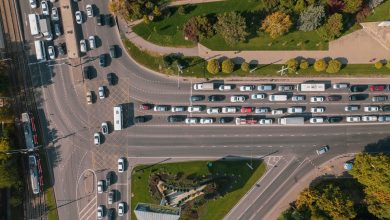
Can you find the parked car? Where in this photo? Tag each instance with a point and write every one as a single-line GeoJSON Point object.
{"type": "Point", "coordinates": [376, 88]}
{"type": "Point", "coordinates": [112, 50]}
{"type": "Point", "coordinates": [277, 111]}
{"type": "Point", "coordinates": [102, 92]}
{"type": "Point", "coordinates": [51, 52]}
{"type": "Point", "coordinates": [121, 165]}
{"type": "Point", "coordinates": [145, 106]}
{"type": "Point", "coordinates": [206, 120]}
{"type": "Point", "coordinates": [265, 87]}
{"type": "Point", "coordinates": [102, 60]}
{"type": "Point", "coordinates": [100, 212]}
{"type": "Point", "coordinates": [334, 119]}
{"type": "Point", "coordinates": [316, 120]}
{"type": "Point", "coordinates": [197, 98]}
{"type": "Point", "coordinates": [108, 20]}
{"type": "Point", "coordinates": [216, 98]}
{"type": "Point", "coordinates": [386, 108]}
{"type": "Point", "coordinates": [161, 108]}
{"type": "Point", "coordinates": [83, 46]}
{"type": "Point", "coordinates": [247, 109]}
{"type": "Point", "coordinates": [353, 118]}
{"type": "Point", "coordinates": [111, 214]}
{"type": "Point", "coordinates": [357, 97]}
{"type": "Point", "coordinates": [92, 42]}
{"type": "Point", "coordinates": [317, 99]}
{"type": "Point", "coordinates": [225, 87]}
{"type": "Point", "coordinates": [297, 98]}
{"type": "Point", "coordinates": [87, 72]}
{"type": "Point", "coordinates": [340, 86]}
{"type": "Point", "coordinates": [317, 109]}
{"type": "Point", "coordinates": [286, 88]}
{"type": "Point", "coordinates": [100, 186]}
{"type": "Point", "coordinates": [262, 110]}
{"type": "Point", "coordinates": [229, 109]}
{"type": "Point", "coordinates": [104, 128]}
{"type": "Point", "coordinates": [295, 110]}
{"type": "Point", "coordinates": [195, 108]}
{"type": "Point", "coordinates": [96, 138]}
{"type": "Point", "coordinates": [57, 29]}
{"type": "Point", "coordinates": [247, 88]}
{"type": "Point", "coordinates": [176, 118]}
{"type": "Point", "coordinates": [110, 197]}
{"type": "Point", "coordinates": [110, 178]}
{"type": "Point", "coordinates": [334, 98]}
{"type": "Point", "coordinates": [111, 79]}
{"type": "Point", "coordinates": [266, 121]}
{"type": "Point", "coordinates": [79, 17]}
{"type": "Point", "coordinates": [89, 97]}
{"type": "Point", "coordinates": [213, 110]}
{"type": "Point", "coordinates": [61, 49]}
{"type": "Point", "coordinates": [45, 7]}
{"type": "Point", "coordinates": [178, 109]}
{"type": "Point", "coordinates": [369, 118]}
{"type": "Point", "coordinates": [371, 108]}
{"type": "Point", "coordinates": [379, 98]}
{"type": "Point", "coordinates": [224, 120]}
{"type": "Point", "coordinates": [99, 20]}
{"type": "Point", "coordinates": [258, 96]}
{"type": "Point", "coordinates": [322, 150]}
{"type": "Point", "coordinates": [192, 120]}
{"type": "Point", "coordinates": [358, 88]}
{"type": "Point", "coordinates": [89, 10]}
{"type": "Point", "coordinates": [351, 108]}
{"type": "Point", "coordinates": [33, 3]}
{"type": "Point", "coordinates": [237, 98]}
{"type": "Point", "coordinates": [54, 14]}
{"type": "Point", "coordinates": [121, 209]}
{"type": "Point", "coordinates": [384, 118]}
{"type": "Point", "coordinates": [139, 119]}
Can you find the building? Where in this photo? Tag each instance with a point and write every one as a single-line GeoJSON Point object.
{"type": "Point", "coordinates": [145, 211]}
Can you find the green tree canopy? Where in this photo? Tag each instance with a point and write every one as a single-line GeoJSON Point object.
{"type": "Point", "coordinates": [213, 66]}
{"type": "Point", "coordinates": [292, 65]}
{"type": "Point", "coordinates": [245, 66]}
{"type": "Point", "coordinates": [334, 66]}
{"type": "Point", "coordinates": [304, 64]}
{"type": "Point", "coordinates": [227, 66]}
{"type": "Point", "coordinates": [232, 27]}
{"type": "Point", "coordinates": [276, 24]}
{"type": "Point", "coordinates": [352, 6]}
{"type": "Point", "coordinates": [311, 18]}
{"type": "Point", "coordinates": [320, 65]}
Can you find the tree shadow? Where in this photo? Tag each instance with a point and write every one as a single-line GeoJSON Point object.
{"type": "Point", "coordinates": [253, 20]}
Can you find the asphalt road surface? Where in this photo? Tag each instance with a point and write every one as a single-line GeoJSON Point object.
{"type": "Point", "coordinates": [77, 163]}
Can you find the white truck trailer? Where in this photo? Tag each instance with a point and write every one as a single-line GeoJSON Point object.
{"type": "Point", "coordinates": [33, 20]}
{"type": "Point", "coordinates": [291, 121]}
{"type": "Point", "coordinates": [311, 87]}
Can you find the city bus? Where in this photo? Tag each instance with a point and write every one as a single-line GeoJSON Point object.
{"type": "Point", "coordinates": [118, 118]}
{"type": "Point", "coordinates": [311, 87]}
{"type": "Point", "coordinates": [32, 161]}
{"type": "Point", "coordinates": [40, 50]}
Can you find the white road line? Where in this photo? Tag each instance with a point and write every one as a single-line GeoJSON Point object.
{"type": "Point", "coordinates": [82, 210]}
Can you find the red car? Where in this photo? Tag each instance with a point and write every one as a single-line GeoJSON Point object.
{"type": "Point", "coordinates": [246, 109]}
{"type": "Point", "coordinates": [145, 106]}
{"type": "Point", "coordinates": [375, 88]}
{"type": "Point", "coordinates": [334, 98]}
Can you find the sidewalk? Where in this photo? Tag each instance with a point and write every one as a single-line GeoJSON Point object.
{"type": "Point", "coordinates": [333, 167]}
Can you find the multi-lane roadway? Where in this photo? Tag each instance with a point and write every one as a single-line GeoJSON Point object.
{"type": "Point", "coordinates": [78, 163]}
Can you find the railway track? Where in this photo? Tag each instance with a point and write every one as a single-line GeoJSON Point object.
{"type": "Point", "coordinates": [21, 90]}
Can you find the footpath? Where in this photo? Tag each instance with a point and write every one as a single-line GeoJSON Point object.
{"type": "Point", "coordinates": [333, 168]}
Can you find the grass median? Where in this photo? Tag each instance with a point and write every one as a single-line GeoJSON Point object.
{"type": "Point", "coordinates": [232, 179]}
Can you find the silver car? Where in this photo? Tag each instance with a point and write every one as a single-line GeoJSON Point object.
{"type": "Point", "coordinates": [89, 10]}
{"type": "Point", "coordinates": [54, 14]}
{"type": "Point", "coordinates": [79, 17]}
{"type": "Point", "coordinates": [102, 93]}
{"type": "Point", "coordinates": [83, 46]}
{"type": "Point", "coordinates": [45, 7]}
{"type": "Point", "coordinates": [92, 42]}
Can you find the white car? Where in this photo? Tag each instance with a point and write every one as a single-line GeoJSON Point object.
{"type": "Point", "coordinates": [384, 118]}
{"type": "Point", "coordinates": [213, 110]}
{"type": "Point", "coordinates": [100, 212]}
{"type": "Point", "coordinates": [317, 109]}
{"type": "Point", "coordinates": [297, 98]}
{"type": "Point", "coordinates": [322, 150]}
{"type": "Point", "coordinates": [260, 110]}
{"type": "Point", "coordinates": [45, 7]}
{"type": "Point", "coordinates": [89, 10]}
{"type": "Point", "coordinates": [247, 88]}
{"type": "Point", "coordinates": [100, 186]}
{"type": "Point", "coordinates": [51, 52]}
{"type": "Point", "coordinates": [191, 120]}
{"type": "Point", "coordinates": [121, 165]}
{"type": "Point", "coordinates": [96, 139]}
{"type": "Point", "coordinates": [195, 108]}
{"type": "Point", "coordinates": [351, 108]}
{"type": "Point", "coordinates": [369, 118]}
{"type": "Point", "coordinates": [295, 110]}
{"type": "Point", "coordinates": [49, 36]}
{"type": "Point", "coordinates": [54, 14]}
{"type": "Point", "coordinates": [225, 87]}
{"type": "Point", "coordinates": [316, 120]}
{"type": "Point", "coordinates": [229, 109]}
{"type": "Point", "coordinates": [258, 96]}
{"type": "Point", "coordinates": [83, 46]}
{"type": "Point", "coordinates": [92, 42]}
{"type": "Point", "coordinates": [33, 3]}
{"type": "Point", "coordinates": [353, 118]}
{"type": "Point", "coordinates": [104, 128]}
{"type": "Point", "coordinates": [237, 98]}
{"type": "Point", "coordinates": [277, 112]}
{"type": "Point", "coordinates": [178, 109]}
{"type": "Point", "coordinates": [102, 93]}
{"type": "Point", "coordinates": [371, 108]}
{"type": "Point", "coordinates": [265, 87]}
{"type": "Point", "coordinates": [121, 209]}
{"type": "Point", "coordinates": [317, 99]}
{"type": "Point", "coordinates": [266, 121]}
{"type": "Point", "coordinates": [79, 17]}
{"type": "Point", "coordinates": [340, 86]}
{"type": "Point", "coordinates": [206, 120]}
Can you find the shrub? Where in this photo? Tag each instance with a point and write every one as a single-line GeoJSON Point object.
{"type": "Point", "coordinates": [156, 11]}
{"type": "Point", "coordinates": [311, 18]}
{"type": "Point", "coordinates": [182, 10]}
{"type": "Point", "coordinates": [146, 19]}
{"type": "Point", "coordinates": [198, 27]}
{"type": "Point", "coordinates": [352, 6]}
{"type": "Point", "coordinates": [332, 28]}
{"type": "Point", "coordinates": [213, 66]}
{"type": "Point", "coordinates": [245, 67]}
{"type": "Point", "coordinates": [276, 24]}
{"type": "Point", "coordinates": [227, 66]}
{"type": "Point", "coordinates": [292, 65]}
{"type": "Point", "coordinates": [378, 65]}
{"type": "Point", "coordinates": [320, 65]}
{"type": "Point", "coordinates": [334, 66]}
{"type": "Point", "coordinates": [304, 64]}
{"type": "Point", "coordinates": [232, 27]}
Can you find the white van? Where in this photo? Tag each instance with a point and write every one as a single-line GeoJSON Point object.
{"type": "Point", "coordinates": [277, 98]}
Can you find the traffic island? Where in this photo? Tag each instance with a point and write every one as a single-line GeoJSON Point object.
{"type": "Point", "coordinates": [198, 189]}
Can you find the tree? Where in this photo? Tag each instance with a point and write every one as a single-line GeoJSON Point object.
{"type": "Point", "coordinates": [304, 64]}
{"type": "Point", "coordinates": [286, 6]}
{"type": "Point", "coordinates": [198, 27]}
{"type": "Point", "coordinates": [4, 147]}
{"type": "Point", "coordinates": [372, 171]}
{"type": "Point", "coordinates": [227, 66]}
{"type": "Point", "coordinates": [334, 66]}
{"type": "Point", "coordinates": [352, 6]}
{"type": "Point", "coordinates": [270, 5]}
{"type": "Point", "coordinates": [8, 173]}
{"type": "Point", "coordinates": [276, 24]}
{"type": "Point", "coordinates": [320, 65]}
{"type": "Point", "coordinates": [232, 27]}
{"type": "Point", "coordinates": [378, 65]}
{"type": "Point", "coordinates": [335, 6]}
{"type": "Point", "coordinates": [362, 14]}
{"type": "Point", "coordinates": [292, 65]}
{"type": "Point", "coordinates": [182, 10]}
{"type": "Point", "coordinates": [300, 6]}
{"type": "Point", "coordinates": [311, 18]}
{"type": "Point", "coordinates": [388, 64]}
{"type": "Point", "coordinates": [245, 67]}
{"type": "Point", "coordinates": [332, 28]}
{"type": "Point", "coordinates": [156, 11]}
{"type": "Point", "coordinates": [213, 66]}
{"type": "Point", "coordinates": [374, 3]}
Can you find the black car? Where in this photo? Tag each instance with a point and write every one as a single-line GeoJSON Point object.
{"type": "Point", "coordinates": [87, 72]}
{"type": "Point", "coordinates": [108, 20]}
{"type": "Point", "coordinates": [61, 49]}
{"type": "Point", "coordinates": [111, 79]}
{"type": "Point", "coordinates": [111, 214]}
{"type": "Point", "coordinates": [102, 60]}
{"type": "Point", "coordinates": [216, 98]}
{"type": "Point", "coordinates": [224, 120]}
{"type": "Point", "coordinates": [357, 97]}
{"type": "Point", "coordinates": [386, 108]}
{"type": "Point", "coordinates": [335, 119]}
{"type": "Point", "coordinates": [358, 88]}
{"type": "Point", "coordinates": [196, 98]}
{"type": "Point", "coordinates": [110, 178]}
{"type": "Point", "coordinates": [140, 119]}
{"type": "Point", "coordinates": [176, 118]}
{"type": "Point", "coordinates": [99, 20]}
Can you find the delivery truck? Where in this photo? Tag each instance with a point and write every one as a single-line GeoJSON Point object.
{"type": "Point", "coordinates": [291, 121]}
